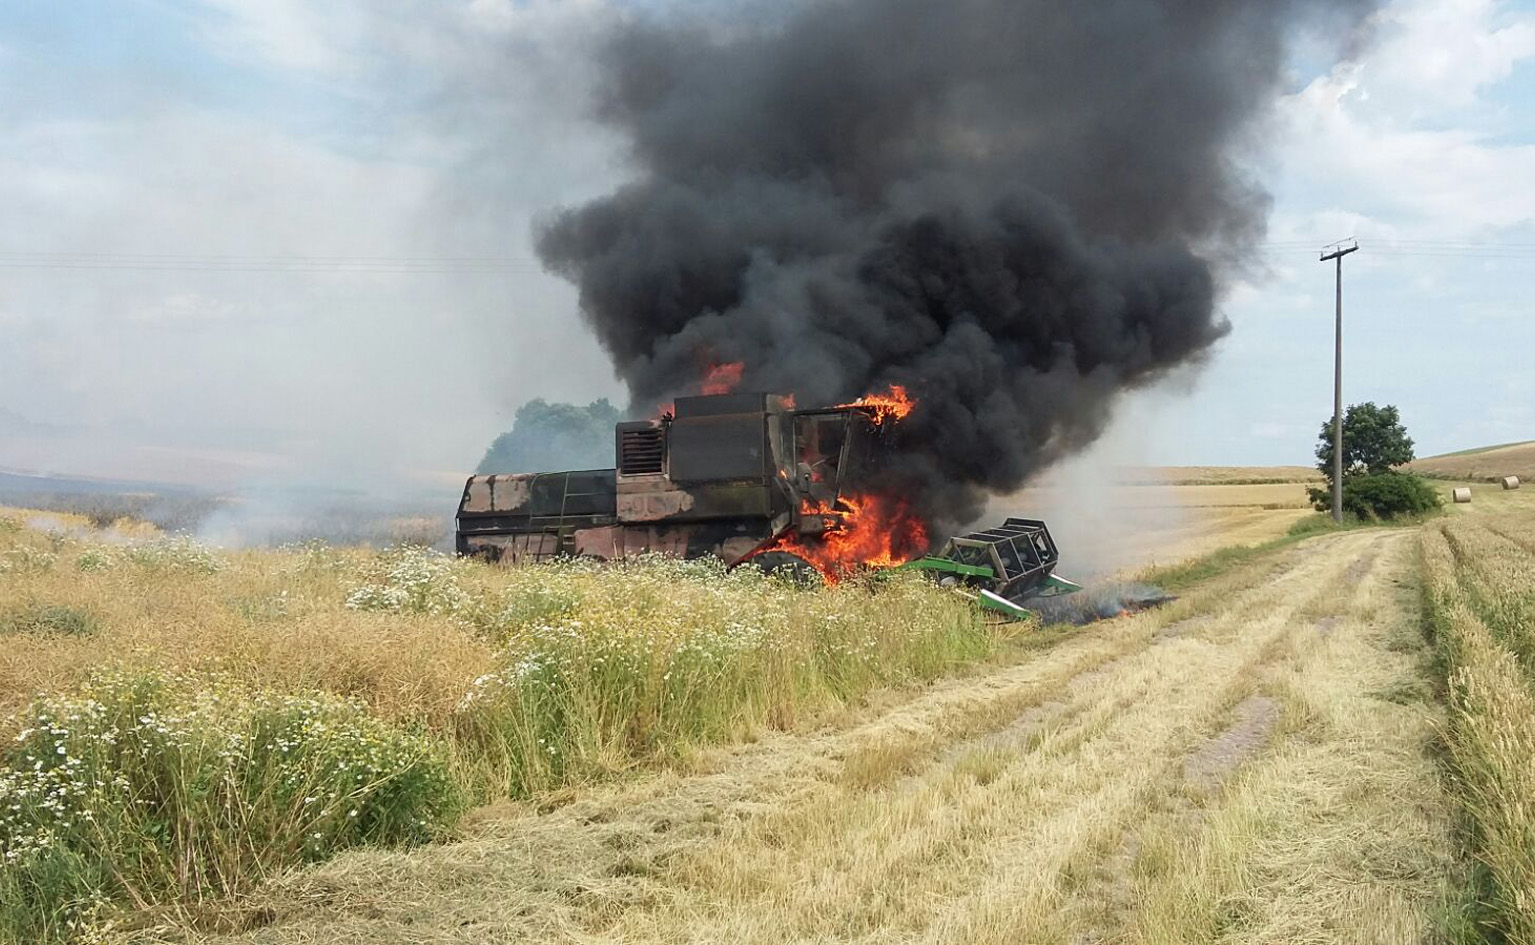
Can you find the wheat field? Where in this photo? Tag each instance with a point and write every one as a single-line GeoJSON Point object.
{"type": "Point", "coordinates": [1484, 465]}
{"type": "Point", "coordinates": [346, 745]}
{"type": "Point", "coordinates": [1480, 590]}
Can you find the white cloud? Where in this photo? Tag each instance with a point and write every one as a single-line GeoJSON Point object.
{"type": "Point", "coordinates": [289, 34]}
{"type": "Point", "coordinates": [1436, 55]}
{"type": "Point", "coordinates": [1393, 146]}
{"type": "Point", "coordinates": [346, 370]}
{"type": "Point", "coordinates": [351, 39]}
{"type": "Point", "coordinates": [1275, 431]}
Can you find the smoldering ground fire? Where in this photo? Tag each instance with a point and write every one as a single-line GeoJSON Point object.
{"type": "Point", "coordinates": [1016, 209]}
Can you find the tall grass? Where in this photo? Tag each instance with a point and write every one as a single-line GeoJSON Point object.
{"type": "Point", "coordinates": [1480, 595]}
{"type": "Point", "coordinates": [602, 667]}
{"type": "Point", "coordinates": [234, 714]}
{"type": "Point", "coordinates": [153, 790]}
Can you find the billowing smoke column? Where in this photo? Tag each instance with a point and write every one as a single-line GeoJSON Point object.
{"type": "Point", "coordinates": [1017, 209]}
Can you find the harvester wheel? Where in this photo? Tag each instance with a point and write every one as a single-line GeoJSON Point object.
{"type": "Point", "coordinates": [787, 565]}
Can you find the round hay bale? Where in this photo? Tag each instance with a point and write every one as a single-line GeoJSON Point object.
{"type": "Point", "coordinates": [1510, 482]}
{"type": "Point", "coordinates": [1461, 494]}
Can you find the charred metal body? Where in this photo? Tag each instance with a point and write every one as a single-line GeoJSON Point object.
{"type": "Point", "coordinates": [723, 475]}
{"type": "Point", "coordinates": [731, 476]}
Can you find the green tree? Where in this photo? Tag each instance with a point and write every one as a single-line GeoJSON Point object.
{"type": "Point", "coordinates": [1373, 496]}
{"type": "Point", "coordinates": [1374, 441]}
{"type": "Point", "coordinates": [555, 437]}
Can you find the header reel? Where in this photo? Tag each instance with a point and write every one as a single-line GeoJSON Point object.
{"type": "Point", "coordinates": [1005, 566]}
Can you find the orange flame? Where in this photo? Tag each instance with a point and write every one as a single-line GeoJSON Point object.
{"type": "Point", "coordinates": [864, 532]}
{"type": "Point", "coordinates": [895, 405]}
{"type": "Point", "coordinates": [722, 378]}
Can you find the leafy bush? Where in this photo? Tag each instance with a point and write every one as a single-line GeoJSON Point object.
{"type": "Point", "coordinates": [150, 790]}
{"type": "Point", "coordinates": [1384, 495]}
{"type": "Point", "coordinates": [47, 618]}
{"type": "Point", "coordinates": [1374, 441]}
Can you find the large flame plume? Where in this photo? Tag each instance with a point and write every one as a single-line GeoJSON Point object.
{"type": "Point", "coordinates": [871, 531]}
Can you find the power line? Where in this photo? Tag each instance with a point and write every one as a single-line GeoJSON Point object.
{"type": "Point", "coordinates": [180, 262]}
{"type": "Point", "coordinates": [262, 256]}
{"type": "Point", "coordinates": [1444, 250]}
{"type": "Point", "coordinates": [321, 269]}
{"type": "Point", "coordinates": [511, 265]}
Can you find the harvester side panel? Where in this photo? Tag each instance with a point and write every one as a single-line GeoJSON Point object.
{"type": "Point", "coordinates": [723, 448]}
{"type": "Point", "coordinates": [533, 516]}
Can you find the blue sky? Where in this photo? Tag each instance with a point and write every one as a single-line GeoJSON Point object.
{"type": "Point", "coordinates": [263, 128]}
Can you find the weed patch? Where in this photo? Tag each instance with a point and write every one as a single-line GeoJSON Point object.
{"type": "Point", "coordinates": [152, 791]}
{"type": "Point", "coordinates": [411, 580]}
{"type": "Point", "coordinates": [47, 619]}
{"type": "Point", "coordinates": [177, 554]}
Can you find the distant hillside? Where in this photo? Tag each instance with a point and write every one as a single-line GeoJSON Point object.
{"type": "Point", "coordinates": [1216, 475]}
{"type": "Point", "coordinates": [1487, 463]}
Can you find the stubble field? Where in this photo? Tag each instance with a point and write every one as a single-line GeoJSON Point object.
{"type": "Point", "coordinates": [1492, 463]}
{"type": "Point", "coordinates": [1321, 740]}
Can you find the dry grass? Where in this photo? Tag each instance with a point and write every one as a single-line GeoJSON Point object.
{"type": "Point", "coordinates": [1051, 800]}
{"type": "Point", "coordinates": [1481, 594]}
{"type": "Point", "coordinates": [274, 619]}
{"type": "Point", "coordinates": [1252, 763]}
{"type": "Point", "coordinates": [1341, 833]}
{"type": "Point", "coordinates": [525, 681]}
{"type": "Point", "coordinates": [1270, 496]}
{"type": "Point", "coordinates": [1488, 465]}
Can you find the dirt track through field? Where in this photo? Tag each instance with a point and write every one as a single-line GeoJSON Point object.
{"type": "Point", "coordinates": [1251, 763]}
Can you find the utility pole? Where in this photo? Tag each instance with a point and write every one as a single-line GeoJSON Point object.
{"type": "Point", "coordinates": [1336, 252]}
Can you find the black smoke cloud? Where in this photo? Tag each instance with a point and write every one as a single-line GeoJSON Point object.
{"type": "Point", "coordinates": [1019, 209]}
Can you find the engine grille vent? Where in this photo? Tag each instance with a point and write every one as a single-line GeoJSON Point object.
{"type": "Point", "coordinates": [641, 452]}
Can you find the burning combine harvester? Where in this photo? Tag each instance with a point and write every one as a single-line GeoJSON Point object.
{"type": "Point", "coordinates": [747, 478]}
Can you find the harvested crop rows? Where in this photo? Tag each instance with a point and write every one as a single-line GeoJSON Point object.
{"type": "Point", "coordinates": [1251, 763]}
{"type": "Point", "coordinates": [1480, 574]}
